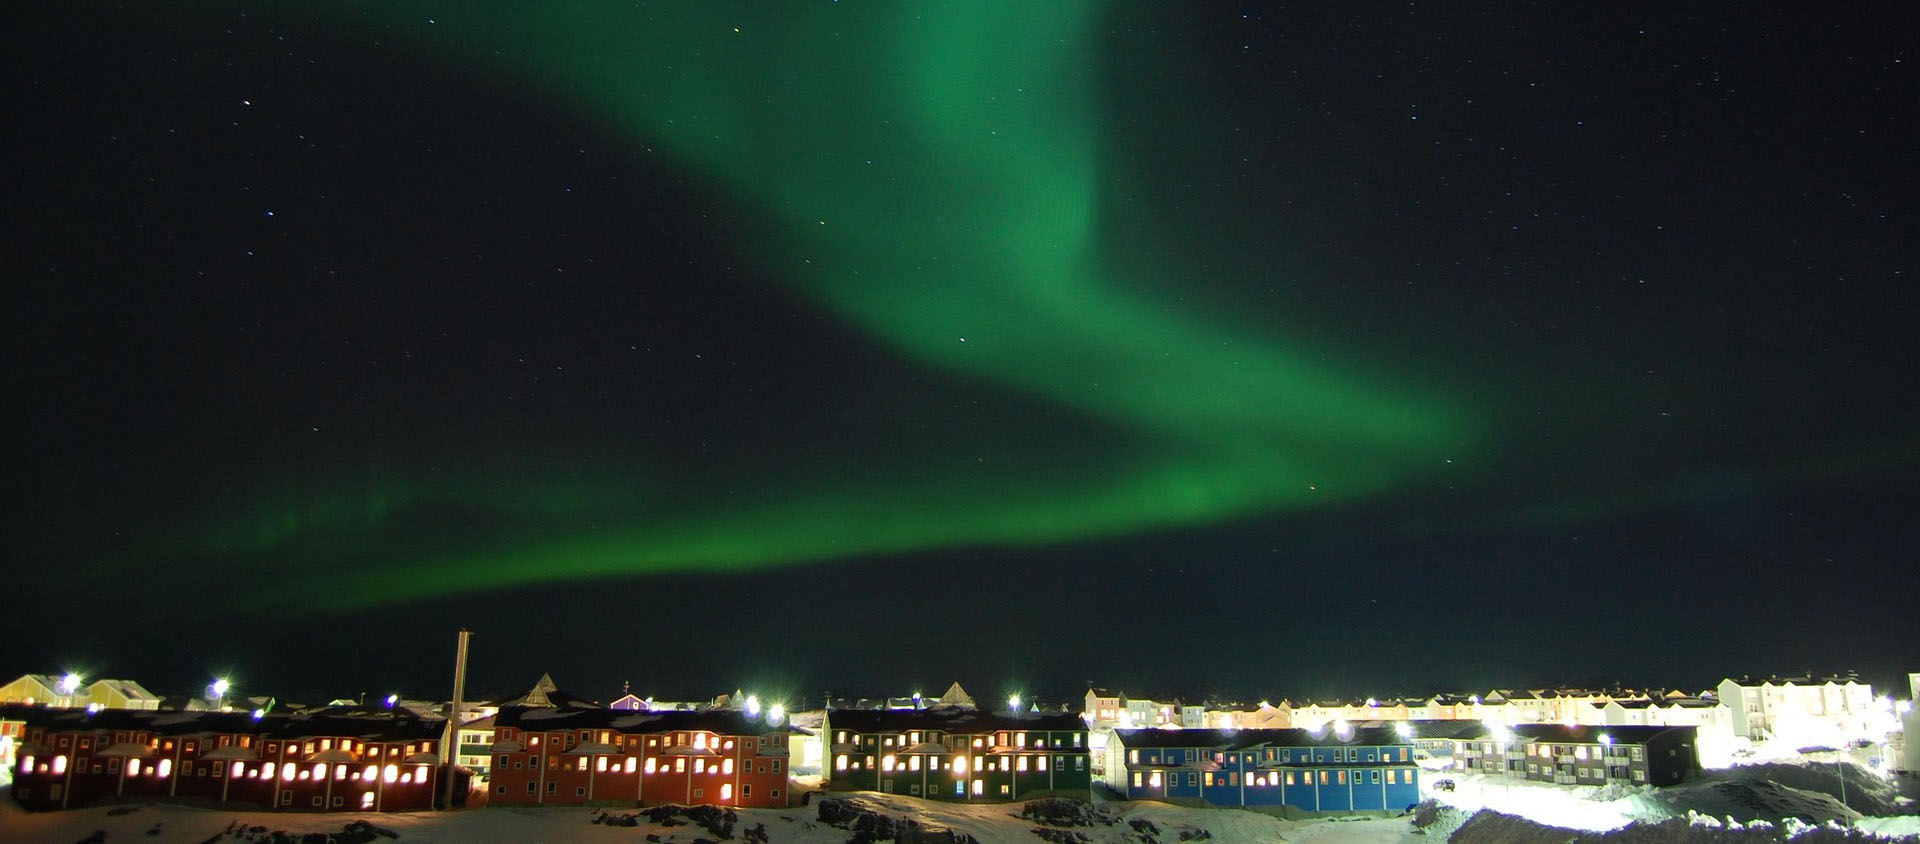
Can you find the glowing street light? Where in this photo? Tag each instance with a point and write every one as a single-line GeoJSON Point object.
{"type": "Point", "coordinates": [69, 684]}
{"type": "Point", "coordinates": [776, 713]}
{"type": "Point", "coordinates": [1013, 704]}
{"type": "Point", "coordinates": [219, 688]}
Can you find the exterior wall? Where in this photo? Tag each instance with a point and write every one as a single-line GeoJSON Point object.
{"type": "Point", "coordinates": [993, 766]}
{"type": "Point", "coordinates": [69, 770]}
{"type": "Point", "coordinates": [29, 688]}
{"type": "Point", "coordinates": [685, 767]}
{"type": "Point", "coordinates": [1305, 779]}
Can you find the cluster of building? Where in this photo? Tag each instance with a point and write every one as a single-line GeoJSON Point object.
{"type": "Point", "coordinates": [328, 759]}
{"type": "Point", "coordinates": [548, 747]}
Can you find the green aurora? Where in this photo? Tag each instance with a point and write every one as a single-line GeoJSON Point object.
{"type": "Point", "coordinates": [934, 175]}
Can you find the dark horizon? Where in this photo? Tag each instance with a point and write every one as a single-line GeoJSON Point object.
{"type": "Point", "coordinates": [1304, 352]}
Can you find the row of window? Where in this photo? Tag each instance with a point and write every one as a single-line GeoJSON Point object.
{"type": "Point", "coordinates": [1231, 779]}
{"type": "Point", "coordinates": [1339, 754]}
{"type": "Point", "coordinates": [162, 769]}
{"type": "Point", "coordinates": [913, 737]}
{"type": "Point", "coordinates": [627, 765]}
{"type": "Point", "coordinates": [726, 791]}
{"type": "Point", "coordinates": [702, 741]}
{"type": "Point", "coordinates": [960, 764]}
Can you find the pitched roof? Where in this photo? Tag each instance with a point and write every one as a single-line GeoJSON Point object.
{"type": "Point", "coordinates": [1275, 737]}
{"type": "Point", "coordinates": [956, 696]}
{"type": "Point", "coordinates": [953, 720]}
{"type": "Point", "coordinates": [545, 693]}
{"type": "Point", "coordinates": [730, 722]}
{"type": "Point", "coordinates": [347, 722]}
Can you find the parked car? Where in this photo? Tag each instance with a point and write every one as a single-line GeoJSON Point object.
{"type": "Point", "coordinates": [1443, 785]}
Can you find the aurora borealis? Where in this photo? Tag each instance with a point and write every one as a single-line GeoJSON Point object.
{"type": "Point", "coordinates": [439, 311]}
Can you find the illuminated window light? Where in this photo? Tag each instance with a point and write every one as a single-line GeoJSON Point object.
{"type": "Point", "coordinates": [391, 774]}
{"type": "Point", "coordinates": [726, 791]}
{"type": "Point", "coordinates": [726, 766]}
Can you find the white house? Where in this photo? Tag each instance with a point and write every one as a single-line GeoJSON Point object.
{"type": "Point", "coordinates": [1808, 710]}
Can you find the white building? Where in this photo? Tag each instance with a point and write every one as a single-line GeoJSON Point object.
{"type": "Point", "coordinates": [1806, 710]}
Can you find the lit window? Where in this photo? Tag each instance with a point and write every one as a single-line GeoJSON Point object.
{"type": "Point", "coordinates": [286, 771]}
{"type": "Point", "coordinates": [1043, 763]}
{"type": "Point", "coordinates": [652, 765]}
{"type": "Point", "coordinates": [1021, 764]}
{"type": "Point", "coordinates": [913, 763]}
{"type": "Point", "coordinates": [370, 774]}
{"type": "Point", "coordinates": [726, 766]}
{"type": "Point", "coordinates": [680, 765]}
{"type": "Point", "coordinates": [699, 766]}
{"type": "Point", "coordinates": [726, 791]}
{"type": "Point", "coordinates": [391, 774]}
{"type": "Point", "coordinates": [1153, 779]}
{"type": "Point", "coordinates": [599, 763]}
{"type": "Point", "coordinates": [839, 762]}
{"type": "Point", "coordinates": [886, 763]}
{"type": "Point", "coordinates": [629, 764]}
{"type": "Point", "coordinates": [339, 772]}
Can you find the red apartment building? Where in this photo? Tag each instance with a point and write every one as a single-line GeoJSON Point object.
{"type": "Point", "coordinates": [578, 756]}
{"type": "Point", "coordinates": [337, 759]}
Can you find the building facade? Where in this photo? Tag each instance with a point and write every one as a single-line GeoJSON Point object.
{"type": "Point", "coordinates": [1578, 754]}
{"type": "Point", "coordinates": [1291, 770]}
{"type": "Point", "coordinates": [343, 759]}
{"type": "Point", "coordinates": [588, 756]}
{"type": "Point", "coordinates": [958, 754]}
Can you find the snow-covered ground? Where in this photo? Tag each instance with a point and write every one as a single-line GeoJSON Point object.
{"type": "Point", "coordinates": [1751, 796]}
{"type": "Point", "coordinates": [798, 825]}
{"type": "Point", "coordinates": [1767, 793]}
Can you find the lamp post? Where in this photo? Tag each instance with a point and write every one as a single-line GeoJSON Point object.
{"type": "Point", "coordinates": [219, 687]}
{"type": "Point", "coordinates": [1502, 737]}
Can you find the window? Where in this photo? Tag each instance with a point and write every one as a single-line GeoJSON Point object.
{"type": "Point", "coordinates": [530, 787]}
{"type": "Point", "coordinates": [776, 766]}
{"type": "Point", "coordinates": [773, 793]}
{"type": "Point", "coordinates": [580, 791]}
{"type": "Point", "coordinates": [552, 788]}
{"type": "Point", "coordinates": [499, 789]}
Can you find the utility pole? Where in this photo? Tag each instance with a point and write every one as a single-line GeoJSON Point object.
{"type": "Point", "coordinates": [449, 745]}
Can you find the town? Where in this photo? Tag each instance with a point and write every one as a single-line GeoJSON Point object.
{"type": "Point", "coordinates": [69, 741]}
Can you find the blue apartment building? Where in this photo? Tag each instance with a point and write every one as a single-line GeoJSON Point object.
{"type": "Point", "coordinates": [1291, 771]}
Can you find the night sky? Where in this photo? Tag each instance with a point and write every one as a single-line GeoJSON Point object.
{"type": "Point", "coordinates": [1188, 348]}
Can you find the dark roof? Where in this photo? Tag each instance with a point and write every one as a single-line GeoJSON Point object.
{"type": "Point", "coordinates": [1571, 733]}
{"type": "Point", "coordinates": [353, 722]}
{"type": "Point", "coordinates": [1443, 728]}
{"type": "Point", "coordinates": [730, 722]}
{"type": "Point", "coordinates": [947, 720]}
{"type": "Point", "coordinates": [1242, 739]}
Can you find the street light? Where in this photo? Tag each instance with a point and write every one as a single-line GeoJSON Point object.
{"type": "Point", "coordinates": [68, 685]}
{"type": "Point", "coordinates": [219, 689]}
{"type": "Point", "coordinates": [1013, 704]}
